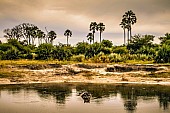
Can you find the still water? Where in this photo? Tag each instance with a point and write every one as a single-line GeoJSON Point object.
{"type": "Point", "coordinates": [67, 98]}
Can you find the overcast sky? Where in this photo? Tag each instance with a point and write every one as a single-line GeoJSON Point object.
{"type": "Point", "coordinates": [153, 16]}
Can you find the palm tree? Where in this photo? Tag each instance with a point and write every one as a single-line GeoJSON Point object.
{"type": "Point", "coordinates": [8, 34]}
{"type": "Point", "coordinates": [93, 26]}
{"type": "Point", "coordinates": [124, 26]}
{"type": "Point", "coordinates": [40, 36]}
{"type": "Point", "coordinates": [90, 37]}
{"type": "Point", "coordinates": [68, 34]}
{"type": "Point", "coordinates": [100, 28]}
{"type": "Point", "coordinates": [51, 36]}
{"type": "Point", "coordinates": [130, 19]}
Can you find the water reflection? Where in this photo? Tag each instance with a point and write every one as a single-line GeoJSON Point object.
{"type": "Point", "coordinates": [60, 91]}
{"type": "Point", "coordinates": [130, 95]}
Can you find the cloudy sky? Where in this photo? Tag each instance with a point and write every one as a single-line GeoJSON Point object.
{"type": "Point", "coordinates": [153, 16]}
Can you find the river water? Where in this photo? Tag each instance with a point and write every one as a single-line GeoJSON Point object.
{"type": "Point", "coordinates": [101, 98]}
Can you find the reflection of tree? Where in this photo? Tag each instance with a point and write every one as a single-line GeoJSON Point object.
{"type": "Point", "coordinates": [131, 103]}
{"type": "Point", "coordinates": [58, 91]}
{"type": "Point", "coordinates": [164, 100]}
{"type": "Point", "coordinates": [98, 90]}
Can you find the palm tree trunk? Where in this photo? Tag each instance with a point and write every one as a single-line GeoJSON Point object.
{"type": "Point", "coordinates": [67, 40]}
{"type": "Point", "coordinates": [100, 36]}
{"type": "Point", "coordinates": [93, 37]}
{"type": "Point", "coordinates": [130, 33]}
{"type": "Point", "coordinates": [124, 37]}
{"type": "Point", "coordinates": [128, 36]}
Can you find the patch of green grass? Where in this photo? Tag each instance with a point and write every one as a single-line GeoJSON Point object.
{"type": "Point", "coordinates": [27, 62]}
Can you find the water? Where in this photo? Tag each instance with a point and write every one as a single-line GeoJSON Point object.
{"type": "Point", "coordinates": [66, 98]}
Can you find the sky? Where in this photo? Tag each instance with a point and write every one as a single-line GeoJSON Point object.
{"type": "Point", "coordinates": [153, 17]}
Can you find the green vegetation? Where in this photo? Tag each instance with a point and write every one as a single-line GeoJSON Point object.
{"type": "Point", "coordinates": [139, 49]}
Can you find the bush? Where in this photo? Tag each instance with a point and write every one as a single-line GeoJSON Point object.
{"type": "Point", "coordinates": [44, 51]}
{"type": "Point", "coordinates": [116, 58]}
{"type": "Point", "coordinates": [120, 50]}
{"type": "Point", "coordinates": [163, 55]}
{"type": "Point", "coordinates": [100, 58]}
{"type": "Point", "coordinates": [11, 54]}
{"type": "Point", "coordinates": [78, 58]}
{"type": "Point", "coordinates": [62, 52]}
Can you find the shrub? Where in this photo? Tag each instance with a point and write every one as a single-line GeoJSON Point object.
{"type": "Point", "coordinates": [163, 55]}
{"type": "Point", "coordinates": [78, 58]}
{"type": "Point", "coordinates": [120, 50]}
{"type": "Point", "coordinates": [44, 51]}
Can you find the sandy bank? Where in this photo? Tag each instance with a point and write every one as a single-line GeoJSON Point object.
{"type": "Point", "coordinates": [87, 73]}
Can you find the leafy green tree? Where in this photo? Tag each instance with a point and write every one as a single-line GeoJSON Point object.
{"type": "Point", "coordinates": [146, 50]}
{"type": "Point", "coordinates": [93, 50]}
{"type": "Point", "coordinates": [163, 55]}
{"type": "Point", "coordinates": [138, 41]}
{"type": "Point", "coordinates": [63, 52]}
{"type": "Point", "coordinates": [81, 48]}
{"type": "Point", "coordinates": [93, 27]}
{"type": "Point", "coordinates": [165, 39]}
{"type": "Point", "coordinates": [106, 43]}
{"type": "Point", "coordinates": [68, 33]}
{"type": "Point", "coordinates": [120, 50]}
{"type": "Point", "coordinates": [5, 46]}
{"type": "Point", "coordinates": [100, 28]}
{"type": "Point", "coordinates": [45, 51]}
{"type": "Point", "coordinates": [90, 37]}
{"type": "Point", "coordinates": [12, 54]}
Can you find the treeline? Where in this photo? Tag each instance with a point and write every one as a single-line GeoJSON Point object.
{"type": "Point", "coordinates": [139, 48]}
{"type": "Point", "coordinates": [21, 45]}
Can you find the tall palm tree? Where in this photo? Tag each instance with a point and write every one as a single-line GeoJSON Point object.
{"type": "Point", "coordinates": [51, 36]}
{"type": "Point", "coordinates": [40, 36]}
{"type": "Point", "coordinates": [124, 26]}
{"type": "Point", "coordinates": [130, 19]}
{"type": "Point", "coordinates": [68, 33]}
{"type": "Point", "coordinates": [93, 26]}
{"type": "Point", "coordinates": [100, 28]}
{"type": "Point", "coordinates": [90, 37]}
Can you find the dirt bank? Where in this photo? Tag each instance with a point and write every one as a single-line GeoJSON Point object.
{"type": "Point", "coordinates": [88, 73]}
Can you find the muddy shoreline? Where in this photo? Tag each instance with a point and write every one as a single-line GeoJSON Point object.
{"type": "Point", "coordinates": [86, 73]}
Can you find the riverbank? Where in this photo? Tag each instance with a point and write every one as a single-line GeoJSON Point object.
{"type": "Point", "coordinates": [23, 73]}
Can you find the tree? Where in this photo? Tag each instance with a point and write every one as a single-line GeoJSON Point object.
{"type": "Point", "coordinates": [100, 28]}
{"type": "Point", "coordinates": [93, 26]}
{"type": "Point", "coordinates": [40, 36]}
{"type": "Point", "coordinates": [90, 37]}
{"type": "Point", "coordinates": [81, 48]}
{"type": "Point", "coordinates": [106, 43]}
{"type": "Point", "coordinates": [129, 18]}
{"type": "Point", "coordinates": [139, 41]}
{"type": "Point", "coordinates": [163, 54]}
{"type": "Point", "coordinates": [68, 34]}
{"type": "Point", "coordinates": [165, 39]}
{"type": "Point", "coordinates": [45, 51]}
{"type": "Point", "coordinates": [124, 26]}
{"type": "Point", "coordinates": [51, 36]}
{"type": "Point", "coordinates": [8, 33]}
